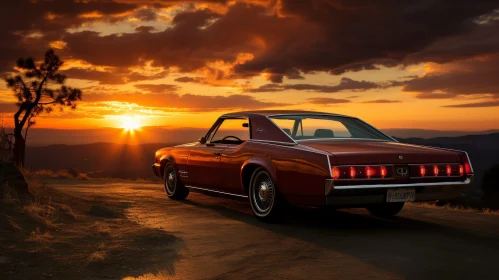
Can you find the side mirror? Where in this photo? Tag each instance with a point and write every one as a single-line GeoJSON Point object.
{"type": "Point", "coordinates": [245, 124]}
{"type": "Point", "coordinates": [202, 140]}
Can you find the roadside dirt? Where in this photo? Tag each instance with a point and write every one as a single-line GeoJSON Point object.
{"type": "Point", "coordinates": [62, 236]}
{"type": "Point", "coordinates": [203, 237]}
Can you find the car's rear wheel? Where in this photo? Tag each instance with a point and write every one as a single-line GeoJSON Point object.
{"type": "Point", "coordinates": [173, 187]}
{"type": "Point", "coordinates": [385, 210]}
{"type": "Point", "coordinates": [266, 201]}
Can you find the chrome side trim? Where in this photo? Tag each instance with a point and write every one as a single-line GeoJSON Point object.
{"type": "Point", "coordinates": [387, 164]}
{"type": "Point", "coordinates": [388, 186]}
{"type": "Point", "coordinates": [289, 145]}
{"type": "Point", "coordinates": [433, 163]}
{"type": "Point", "coordinates": [208, 190]}
{"type": "Point", "coordinates": [341, 138]}
{"type": "Point", "coordinates": [273, 142]}
{"type": "Point", "coordinates": [469, 162]}
{"type": "Point", "coordinates": [330, 168]}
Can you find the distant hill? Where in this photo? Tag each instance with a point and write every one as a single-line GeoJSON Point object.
{"type": "Point", "coordinates": [45, 136]}
{"type": "Point", "coordinates": [134, 161]}
{"type": "Point", "coordinates": [98, 159]}
{"type": "Point", "coordinates": [426, 134]}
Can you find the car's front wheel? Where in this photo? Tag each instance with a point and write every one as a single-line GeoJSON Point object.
{"type": "Point", "coordinates": [173, 187]}
{"type": "Point", "coordinates": [266, 201]}
{"type": "Point", "coordinates": [385, 210]}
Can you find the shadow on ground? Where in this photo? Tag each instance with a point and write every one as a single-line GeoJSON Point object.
{"type": "Point", "coordinates": [60, 236]}
{"type": "Point", "coordinates": [411, 248]}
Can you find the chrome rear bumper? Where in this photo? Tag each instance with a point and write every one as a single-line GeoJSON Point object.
{"type": "Point", "coordinates": [369, 194]}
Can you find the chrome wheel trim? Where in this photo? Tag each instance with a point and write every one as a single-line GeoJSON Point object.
{"type": "Point", "coordinates": [263, 192]}
{"type": "Point", "coordinates": [170, 180]}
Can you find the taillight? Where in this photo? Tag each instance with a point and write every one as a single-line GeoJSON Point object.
{"type": "Point", "coordinates": [435, 170]}
{"type": "Point", "coordinates": [461, 170]}
{"type": "Point", "coordinates": [466, 163]}
{"type": "Point", "coordinates": [369, 172]}
{"type": "Point", "coordinates": [361, 172]}
{"type": "Point", "coordinates": [352, 172]}
{"type": "Point", "coordinates": [422, 170]}
{"type": "Point", "coordinates": [336, 173]}
{"type": "Point", "coordinates": [383, 171]}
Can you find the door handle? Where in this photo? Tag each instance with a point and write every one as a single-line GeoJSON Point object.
{"type": "Point", "coordinates": [217, 154]}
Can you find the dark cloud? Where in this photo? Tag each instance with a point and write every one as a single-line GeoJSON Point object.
{"type": "Point", "coordinates": [196, 38]}
{"type": "Point", "coordinates": [482, 39]}
{"type": "Point", "coordinates": [146, 15]}
{"type": "Point", "coordinates": [45, 21]}
{"type": "Point", "coordinates": [345, 84]}
{"type": "Point", "coordinates": [157, 88]}
{"type": "Point", "coordinates": [360, 35]}
{"type": "Point", "coordinates": [326, 101]}
{"type": "Point", "coordinates": [280, 41]}
{"type": "Point", "coordinates": [94, 75]}
{"type": "Point", "coordinates": [189, 102]}
{"type": "Point", "coordinates": [186, 79]}
{"type": "Point", "coordinates": [113, 78]}
{"type": "Point", "coordinates": [467, 77]}
{"type": "Point", "coordinates": [382, 101]}
{"type": "Point", "coordinates": [292, 74]}
{"type": "Point", "coordinates": [493, 103]}
{"type": "Point", "coordinates": [143, 28]}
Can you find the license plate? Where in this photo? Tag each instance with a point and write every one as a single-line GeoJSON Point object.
{"type": "Point", "coordinates": [400, 195]}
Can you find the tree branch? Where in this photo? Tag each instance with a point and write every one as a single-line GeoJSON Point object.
{"type": "Point", "coordinates": [47, 103]}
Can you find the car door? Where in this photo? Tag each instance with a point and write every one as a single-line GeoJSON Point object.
{"type": "Point", "coordinates": [202, 168]}
{"type": "Point", "coordinates": [204, 160]}
{"type": "Point", "coordinates": [203, 165]}
{"type": "Point", "coordinates": [233, 158]}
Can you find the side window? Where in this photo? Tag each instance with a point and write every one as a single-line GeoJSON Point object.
{"type": "Point", "coordinates": [285, 124]}
{"type": "Point", "coordinates": [232, 131]}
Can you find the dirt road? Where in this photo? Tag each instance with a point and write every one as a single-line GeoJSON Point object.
{"type": "Point", "coordinates": [220, 239]}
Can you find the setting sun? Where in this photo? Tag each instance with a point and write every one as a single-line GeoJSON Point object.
{"type": "Point", "coordinates": [130, 123]}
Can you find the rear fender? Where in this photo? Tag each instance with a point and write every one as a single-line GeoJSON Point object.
{"type": "Point", "coordinates": [263, 163]}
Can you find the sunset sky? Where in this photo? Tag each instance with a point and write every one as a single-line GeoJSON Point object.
{"type": "Point", "coordinates": [396, 64]}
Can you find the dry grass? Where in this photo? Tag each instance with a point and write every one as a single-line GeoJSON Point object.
{"type": "Point", "coordinates": [43, 234]}
{"type": "Point", "coordinates": [70, 174]}
{"type": "Point", "coordinates": [44, 213]}
{"type": "Point", "coordinates": [457, 208]}
{"type": "Point", "coordinates": [63, 173]}
{"type": "Point", "coordinates": [97, 256]}
{"type": "Point", "coordinates": [150, 276]}
{"type": "Point", "coordinates": [39, 236]}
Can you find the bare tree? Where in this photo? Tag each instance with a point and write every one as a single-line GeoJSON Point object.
{"type": "Point", "coordinates": [38, 88]}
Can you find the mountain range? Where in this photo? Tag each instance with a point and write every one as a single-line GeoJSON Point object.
{"type": "Point", "coordinates": [45, 137]}
{"type": "Point", "coordinates": [134, 160]}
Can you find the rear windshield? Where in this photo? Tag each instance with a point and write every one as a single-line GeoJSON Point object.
{"type": "Point", "coordinates": [303, 127]}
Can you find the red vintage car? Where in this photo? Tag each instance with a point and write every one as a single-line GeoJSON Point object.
{"type": "Point", "coordinates": [281, 158]}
